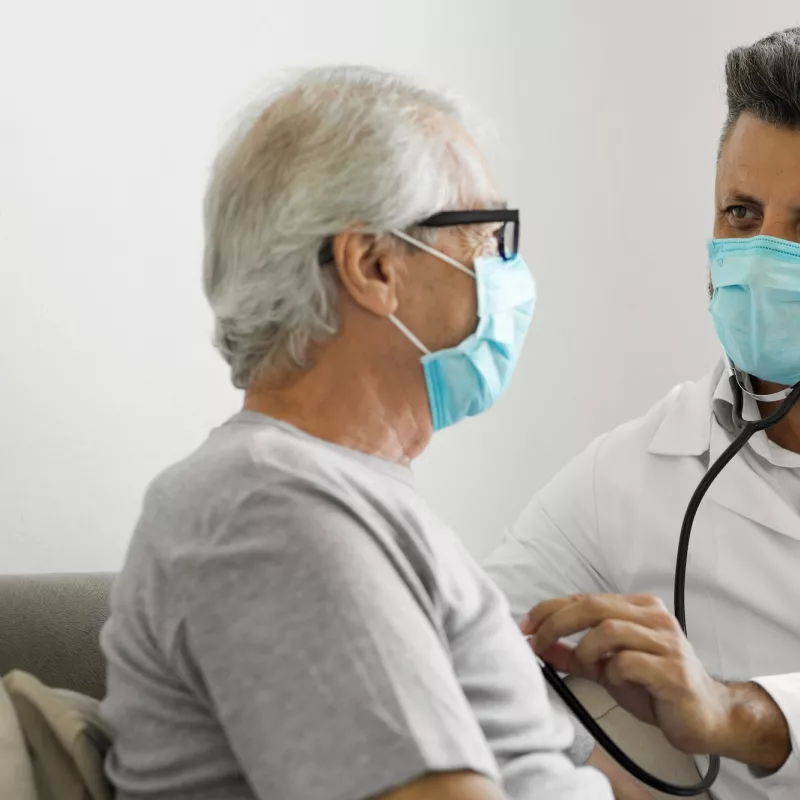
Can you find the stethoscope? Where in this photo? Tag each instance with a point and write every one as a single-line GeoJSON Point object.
{"type": "Point", "coordinates": [740, 386]}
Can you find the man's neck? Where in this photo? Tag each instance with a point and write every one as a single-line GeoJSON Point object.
{"type": "Point", "coordinates": [336, 401]}
{"type": "Point", "coordinates": [786, 433]}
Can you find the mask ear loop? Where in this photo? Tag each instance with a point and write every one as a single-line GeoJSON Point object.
{"type": "Point", "coordinates": [410, 336]}
{"type": "Point", "coordinates": [743, 379]}
{"type": "Point", "coordinates": [432, 251]}
{"type": "Point", "coordinates": [442, 257]}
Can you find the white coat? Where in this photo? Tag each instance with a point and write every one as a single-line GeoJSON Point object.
{"type": "Point", "coordinates": [610, 521]}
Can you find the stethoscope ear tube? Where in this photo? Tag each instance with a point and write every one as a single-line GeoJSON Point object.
{"type": "Point", "coordinates": [563, 691]}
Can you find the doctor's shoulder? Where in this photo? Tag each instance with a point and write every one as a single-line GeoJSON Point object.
{"type": "Point", "coordinates": [678, 424]}
{"type": "Point", "coordinates": [642, 458]}
{"type": "Point", "coordinates": [616, 464]}
{"type": "Point", "coordinates": [616, 484]}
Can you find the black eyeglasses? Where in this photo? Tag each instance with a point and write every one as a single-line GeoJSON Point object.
{"type": "Point", "coordinates": [506, 234]}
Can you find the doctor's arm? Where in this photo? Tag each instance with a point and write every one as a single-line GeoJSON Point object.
{"type": "Point", "coordinates": [553, 548]}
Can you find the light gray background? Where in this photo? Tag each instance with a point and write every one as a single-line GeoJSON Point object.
{"type": "Point", "coordinates": [607, 116]}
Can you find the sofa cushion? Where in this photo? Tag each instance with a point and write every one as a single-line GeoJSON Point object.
{"type": "Point", "coordinates": [16, 775]}
{"type": "Point", "coordinates": [65, 738]}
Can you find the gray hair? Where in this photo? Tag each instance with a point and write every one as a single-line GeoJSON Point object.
{"type": "Point", "coordinates": [332, 148]}
{"type": "Point", "coordinates": [763, 79]}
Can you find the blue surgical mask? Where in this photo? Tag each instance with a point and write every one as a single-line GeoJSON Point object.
{"type": "Point", "coordinates": [756, 305]}
{"type": "Point", "coordinates": [468, 379]}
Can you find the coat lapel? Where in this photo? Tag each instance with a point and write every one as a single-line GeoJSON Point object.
{"type": "Point", "coordinates": [744, 491]}
{"type": "Point", "coordinates": [689, 429]}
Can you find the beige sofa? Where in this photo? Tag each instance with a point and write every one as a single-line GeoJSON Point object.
{"type": "Point", "coordinates": [49, 626]}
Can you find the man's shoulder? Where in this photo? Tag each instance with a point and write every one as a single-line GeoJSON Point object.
{"type": "Point", "coordinates": [258, 504]}
{"type": "Point", "coordinates": [250, 451]}
{"type": "Point", "coordinates": [234, 454]}
{"type": "Point", "coordinates": [242, 470]}
{"type": "Point", "coordinates": [260, 484]}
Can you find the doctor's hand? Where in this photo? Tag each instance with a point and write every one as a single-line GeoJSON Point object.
{"type": "Point", "coordinates": [635, 648]}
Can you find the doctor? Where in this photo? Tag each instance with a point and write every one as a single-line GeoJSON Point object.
{"type": "Point", "coordinates": [601, 538]}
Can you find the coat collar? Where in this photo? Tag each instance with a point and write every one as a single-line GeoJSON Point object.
{"type": "Point", "coordinates": [686, 427]}
{"type": "Point", "coordinates": [690, 428]}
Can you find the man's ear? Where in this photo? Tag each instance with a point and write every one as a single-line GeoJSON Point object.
{"type": "Point", "coordinates": [368, 269]}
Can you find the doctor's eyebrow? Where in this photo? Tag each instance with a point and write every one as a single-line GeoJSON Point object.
{"type": "Point", "coordinates": [734, 197]}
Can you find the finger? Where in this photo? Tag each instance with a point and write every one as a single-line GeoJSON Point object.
{"type": "Point", "coordinates": [591, 610]}
{"type": "Point", "coordinates": [561, 657]}
{"type": "Point", "coordinates": [643, 669]}
{"type": "Point", "coordinates": [613, 635]}
{"type": "Point", "coordinates": [545, 609]}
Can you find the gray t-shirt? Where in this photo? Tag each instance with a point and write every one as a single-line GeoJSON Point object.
{"type": "Point", "coordinates": [293, 623]}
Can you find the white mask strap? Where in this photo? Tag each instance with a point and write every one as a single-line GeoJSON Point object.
{"type": "Point", "coordinates": [442, 257]}
{"type": "Point", "coordinates": [432, 251]}
{"type": "Point", "coordinates": [410, 336]}
{"type": "Point", "coordinates": [745, 384]}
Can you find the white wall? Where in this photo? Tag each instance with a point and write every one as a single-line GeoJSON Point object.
{"type": "Point", "coordinates": [109, 115]}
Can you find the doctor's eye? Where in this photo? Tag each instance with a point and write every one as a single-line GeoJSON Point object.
{"type": "Point", "coordinates": [740, 216]}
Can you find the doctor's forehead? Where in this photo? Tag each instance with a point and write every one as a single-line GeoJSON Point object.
{"type": "Point", "coordinates": [760, 161]}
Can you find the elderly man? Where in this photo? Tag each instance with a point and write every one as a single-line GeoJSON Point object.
{"type": "Point", "coordinates": [292, 622]}
{"type": "Point", "coordinates": [605, 531]}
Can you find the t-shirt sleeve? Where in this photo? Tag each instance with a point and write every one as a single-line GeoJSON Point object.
{"type": "Point", "coordinates": [553, 550]}
{"type": "Point", "coordinates": [326, 673]}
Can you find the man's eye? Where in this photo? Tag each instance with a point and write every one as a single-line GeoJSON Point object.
{"type": "Point", "coordinates": [739, 212]}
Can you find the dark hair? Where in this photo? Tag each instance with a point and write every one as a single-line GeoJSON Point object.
{"type": "Point", "coordinates": [763, 79]}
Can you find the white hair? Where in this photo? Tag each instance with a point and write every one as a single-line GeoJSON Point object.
{"type": "Point", "coordinates": [333, 148]}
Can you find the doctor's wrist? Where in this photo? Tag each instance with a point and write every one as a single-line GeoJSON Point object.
{"type": "Point", "coordinates": [751, 728]}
